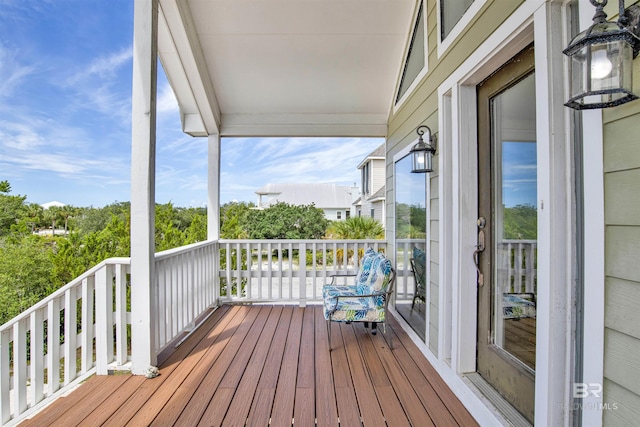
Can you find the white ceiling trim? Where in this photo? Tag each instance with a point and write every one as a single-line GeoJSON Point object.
{"type": "Point", "coordinates": [284, 67]}
{"type": "Point", "coordinates": [186, 70]}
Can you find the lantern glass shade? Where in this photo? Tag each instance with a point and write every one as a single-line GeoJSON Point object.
{"type": "Point", "coordinates": [601, 67]}
{"type": "Point", "coordinates": [422, 158]}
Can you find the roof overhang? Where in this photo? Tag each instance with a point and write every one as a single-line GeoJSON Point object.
{"type": "Point", "coordinates": [284, 67]}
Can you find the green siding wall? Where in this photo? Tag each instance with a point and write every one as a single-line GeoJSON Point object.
{"type": "Point", "coordinates": [421, 108]}
{"type": "Point", "coordinates": [622, 269]}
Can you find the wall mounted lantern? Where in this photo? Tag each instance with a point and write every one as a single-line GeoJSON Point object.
{"type": "Point", "coordinates": [422, 153]}
{"type": "Point", "coordinates": [601, 59]}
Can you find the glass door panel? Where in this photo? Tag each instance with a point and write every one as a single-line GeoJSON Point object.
{"type": "Point", "coordinates": [411, 235]}
{"type": "Point", "coordinates": [507, 232]}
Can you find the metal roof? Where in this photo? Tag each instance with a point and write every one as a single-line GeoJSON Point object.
{"type": "Point", "coordinates": [324, 196]}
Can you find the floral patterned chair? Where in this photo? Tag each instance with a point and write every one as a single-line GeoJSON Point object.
{"type": "Point", "coordinates": [364, 301]}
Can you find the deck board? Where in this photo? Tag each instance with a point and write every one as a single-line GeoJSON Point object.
{"type": "Point", "coordinates": [261, 365]}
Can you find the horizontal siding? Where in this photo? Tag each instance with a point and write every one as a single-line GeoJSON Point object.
{"type": "Point", "coordinates": [623, 302]}
{"type": "Point", "coordinates": [622, 204]}
{"type": "Point", "coordinates": [621, 361]}
{"type": "Point", "coordinates": [377, 175]}
{"type": "Point", "coordinates": [621, 408]}
{"type": "Point", "coordinates": [434, 230]}
{"type": "Point", "coordinates": [622, 252]}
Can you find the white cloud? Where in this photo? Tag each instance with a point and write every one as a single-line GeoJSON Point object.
{"type": "Point", "coordinates": [12, 73]}
{"type": "Point", "coordinates": [103, 67]}
{"type": "Point", "coordinates": [166, 102]}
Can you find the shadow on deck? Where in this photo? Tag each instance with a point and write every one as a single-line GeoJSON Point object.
{"type": "Point", "coordinates": [255, 365]}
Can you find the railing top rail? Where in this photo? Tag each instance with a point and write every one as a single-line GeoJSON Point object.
{"type": "Point", "coordinates": [159, 256]}
{"type": "Point", "coordinates": [298, 241]}
{"type": "Point", "coordinates": [60, 292]}
{"type": "Point", "coordinates": [525, 241]}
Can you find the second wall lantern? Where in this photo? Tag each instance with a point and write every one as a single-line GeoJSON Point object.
{"type": "Point", "coordinates": [422, 153]}
{"type": "Point", "coordinates": [601, 60]}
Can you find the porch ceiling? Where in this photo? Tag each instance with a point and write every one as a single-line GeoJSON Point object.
{"type": "Point", "coordinates": [284, 67]}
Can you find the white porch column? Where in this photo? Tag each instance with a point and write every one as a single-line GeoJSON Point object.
{"type": "Point", "coordinates": [213, 189]}
{"type": "Point", "coordinates": [143, 157]}
{"type": "Point", "coordinates": [556, 253]}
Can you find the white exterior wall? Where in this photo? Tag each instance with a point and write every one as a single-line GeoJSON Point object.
{"type": "Point", "coordinates": [377, 175]}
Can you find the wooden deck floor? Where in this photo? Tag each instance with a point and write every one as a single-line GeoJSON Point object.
{"type": "Point", "coordinates": [261, 365]}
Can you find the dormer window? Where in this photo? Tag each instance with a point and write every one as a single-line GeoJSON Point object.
{"type": "Point", "coordinates": [415, 60]}
{"type": "Point", "coordinates": [366, 178]}
{"type": "Point", "coordinates": [451, 12]}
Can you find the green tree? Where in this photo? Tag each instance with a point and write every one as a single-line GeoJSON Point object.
{"type": "Point", "coordinates": [12, 210]}
{"type": "Point", "coordinates": [356, 228]}
{"type": "Point", "coordinates": [25, 275]}
{"type": "Point", "coordinates": [5, 187]}
{"type": "Point", "coordinates": [233, 220]}
{"type": "Point", "coordinates": [411, 221]}
{"type": "Point", "coordinates": [34, 215]}
{"type": "Point", "coordinates": [197, 230]}
{"type": "Point", "coordinates": [521, 222]}
{"type": "Point", "coordinates": [168, 233]}
{"type": "Point", "coordinates": [92, 219]}
{"type": "Point", "coordinates": [285, 221]}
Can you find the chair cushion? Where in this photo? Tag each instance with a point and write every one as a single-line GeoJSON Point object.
{"type": "Point", "coordinates": [362, 278]}
{"type": "Point", "coordinates": [373, 277]}
{"type": "Point", "coordinates": [379, 275]}
{"type": "Point", "coordinates": [350, 309]}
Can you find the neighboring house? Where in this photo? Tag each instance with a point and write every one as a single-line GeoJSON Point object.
{"type": "Point", "coordinates": [372, 189]}
{"type": "Point", "coordinates": [51, 204]}
{"type": "Point", "coordinates": [335, 200]}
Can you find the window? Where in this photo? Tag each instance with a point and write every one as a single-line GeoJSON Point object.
{"type": "Point", "coordinates": [338, 215]}
{"type": "Point", "coordinates": [415, 60]}
{"type": "Point", "coordinates": [365, 178]}
{"type": "Point", "coordinates": [347, 214]}
{"type": "Point", "coordinates": [450, 13]}
{"type": "Point", "coordinates": [373, 213]}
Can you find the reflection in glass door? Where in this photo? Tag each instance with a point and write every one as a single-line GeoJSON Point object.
{"type": "Point", "coordinates": [411, 235]}
{"type": "Point", "coordinates": [507, 232]}
{"type": "Point", "coordinates": [516, 248]}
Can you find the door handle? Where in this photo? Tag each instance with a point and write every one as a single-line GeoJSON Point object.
{"type": "Point", "coordinates": [479, 249]}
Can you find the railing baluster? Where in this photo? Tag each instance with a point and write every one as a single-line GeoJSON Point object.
{"type": "Point", "coordinates": [70, 334]}
{"type": "Point", "coordinates": [270, 268]}
{"type": "Point", "coordinates": [103, 303]}
{"type": "Point", "coordinates": [302, 274]}
{"type": "Point", "coordinates": [53, 346]}
{"type": "Point", "coordinates": [87, 324]}
{"type": "Point", "coordinates": [5, 378]}
{"type": "Point", "coordinates": [314, 268]}
{"type": "Point", "coordinates": [19, 367]}
{"type": "Point", "coordinates": [249, 288]}
{"type": "Point", "coordinates": [37, 356]}
{"type": "Point", "coordinates": [121, 314]}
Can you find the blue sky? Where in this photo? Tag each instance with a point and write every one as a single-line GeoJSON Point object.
{"type": "Point", "coordinates": [65, 125]}
{"type": "Point", "coordinates": [519, 174]}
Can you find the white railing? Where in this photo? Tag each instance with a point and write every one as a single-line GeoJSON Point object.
{"type": "Point", "coordinates": [185, 289]}
{"type": "Point", "coordinates": [405, 282]}
{"type": "Point", "coordinates": [285, 270]}
{"type": "Point", "coordinates": [517, 266]}
{"type": "Point", "coordinates": [85, 327]}
{"type": "Point", "coordinates": [58, 342]}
